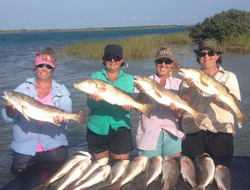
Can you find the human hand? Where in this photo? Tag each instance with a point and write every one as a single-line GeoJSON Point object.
{"type": "Point", "coordinates": [189, 81]}
{"type": "Point", "coordinates": [172, 106]}
{"type": "Point", "coordinates": [127, 107]}
{"type": "Point", "coordinates": [10, 109]}
{"type": "Point", "coordinates": [216, 97]}
{"type": "Point", "coordinates": [138, 87]}
{"type": "Point", "coordinates": [59, 119]}
{"type": "Point", "coordinates": [8, 104]}
{"type": "Point", "coordinates": [95, 97]}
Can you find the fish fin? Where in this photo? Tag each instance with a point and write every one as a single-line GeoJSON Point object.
{"type": "Point", "coordinates": [119, 178]}
{"type": "Point", "coordinates": [184, 179]}
{"type": "Point", "coordinates": [226, 106]}
{"type": "Point", "coordinates": [157, 177]}
{"type": "Point", "coordinates": [235, 99]}
{"type": "Point", "coordinates": [242, 118]}
{"type": "Point", "coordinates": [147, 109]}
{"type": "Point", "coordinates": [157, 94]}
{"type": "Point", "coordinates": [211, 180]}
{"type": "Point", "coordinates": [105, 176]}
{"type": "Point", "coordinates": [219, 187]}
{"type": "Point", "coordinates": [102, 89]}
{"type": "Point", "coordinates": [26, 116]}
{"type": "Point", "coordinates": [22, 111]}
{"type": "Point", "coordinates": [203, 83]}
{"type": "Point", "coordinates": [199, 117]}
{"type": "Point", "coordinates": [82, 117]}
{"type": "Point", "coordinates": [132, 178]}
{"type": "Point", "coordinates": [152, 100]}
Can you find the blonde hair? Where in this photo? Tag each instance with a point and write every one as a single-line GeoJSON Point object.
{"type": "Point", "coordinates": [47, 51]}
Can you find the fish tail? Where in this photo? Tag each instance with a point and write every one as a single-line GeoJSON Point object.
{"type": "Point", "coordinates": [146, 109]}
{"type": "Point", "coordinates": [82, 117]}
{"type": "Point", "coordinates": [176, 65]}
{"type": "Point", "coordinates": [199, 117]}
{"type": "Point", "coordinates": [242, 118]}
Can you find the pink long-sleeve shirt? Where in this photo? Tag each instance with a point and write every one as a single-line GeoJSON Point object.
{"type": "Point", "coordinates": [161, 119]}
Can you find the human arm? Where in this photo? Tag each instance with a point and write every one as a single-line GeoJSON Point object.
{"type": "Point", "coordinates": [10, 109]}
{"type": "Point", "coordinates": [64, 102]}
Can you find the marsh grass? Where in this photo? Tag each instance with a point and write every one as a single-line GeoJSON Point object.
{"type": "Point", "coordinates": [135, 48]}
{"type": "Point", "coordinates": [144, 47]}
{"type": "Point", "coordinates": [239, 44]}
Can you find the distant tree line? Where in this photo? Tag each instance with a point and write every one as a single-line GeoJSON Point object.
{"type": "Point", "coordinates": [222, 26]}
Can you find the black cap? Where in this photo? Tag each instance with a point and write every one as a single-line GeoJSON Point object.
{"type": "Point", "coordinates": [113, 49]}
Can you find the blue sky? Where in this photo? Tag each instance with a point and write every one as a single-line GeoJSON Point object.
{"type": "Point", "coordinates": [76, 14]}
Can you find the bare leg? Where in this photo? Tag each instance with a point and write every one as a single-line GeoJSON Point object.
{"type": "Point", "coordinates": [119, 156]}
{"type": "Point", "coordinates": [102, 155]}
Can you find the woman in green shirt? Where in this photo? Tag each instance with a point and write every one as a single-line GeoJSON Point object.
{"type": "Point", "coordinates": [109, 133]}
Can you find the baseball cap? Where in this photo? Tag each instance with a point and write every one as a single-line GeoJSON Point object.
{"type": "Point", "coordinates": [209, 43]}
{"type": "Point", "coordinates": [113, 49]}
{"type": "Point", "coordinates": [164, 52]}
{"type": "Point", "coordinates": [44, 58]}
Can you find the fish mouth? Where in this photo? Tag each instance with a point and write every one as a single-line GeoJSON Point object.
{"type": "Point", "coordinates": [180, 72]}
{"type": "Point", "coordinates": [205, 155]}
{"type": "Point", "coordinates": [137, 77]}
{"type": "Point", "coordinates": [4, 97]}
{"type": "Point", "coordinates": [6, 94]}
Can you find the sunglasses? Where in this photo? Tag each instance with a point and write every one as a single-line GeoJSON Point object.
{"type": "Point", "coordinates": [166, 61]}
{"type": "Point", "coordinates": [210, 54]}
{"type": "Point", "coordinates": [109, 58]}
{"type": "Point", "coordinates": [45, 65]}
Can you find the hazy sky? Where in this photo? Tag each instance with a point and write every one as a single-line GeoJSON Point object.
{"type": "Point", "coordinates": [75, 14]}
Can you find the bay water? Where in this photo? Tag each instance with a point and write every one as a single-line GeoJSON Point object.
{"type": "Point", "coordinates": [17, 54]}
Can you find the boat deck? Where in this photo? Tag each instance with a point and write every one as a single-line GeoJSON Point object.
{"type": "Point", "coordinates": [37, 174]}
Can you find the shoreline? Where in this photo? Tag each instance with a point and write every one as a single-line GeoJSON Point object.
{"type": "Point", "coordinates": [92, 29]}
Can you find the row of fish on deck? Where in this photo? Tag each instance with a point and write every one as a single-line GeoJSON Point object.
{"type": "Point", "coordinates": [113, 95]}
{"type": "Point", "coordinates": [79, 173]}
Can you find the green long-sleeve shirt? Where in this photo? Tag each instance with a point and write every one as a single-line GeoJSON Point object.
{"type": "Point", "coordinates": [103, 114]}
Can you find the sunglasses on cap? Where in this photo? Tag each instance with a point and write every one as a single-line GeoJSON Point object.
{"type": "Point", "coordinates": [166, 61]}
{"type": "Point", "coordinates": [203, 54]}
{"type": "Point", "coordinates": [109, 58]}
{"type": "Point", "coordinates": [44, 65]}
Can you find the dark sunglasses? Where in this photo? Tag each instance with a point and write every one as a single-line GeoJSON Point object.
{"type": "Point", "coordinates": [109, 58]}
{"type": "Point", "coordinates": [45, 65]}
{"type": "Point", "coordinates": [210, 54]}
{"type": "Point", "coordinates": [166, 61]}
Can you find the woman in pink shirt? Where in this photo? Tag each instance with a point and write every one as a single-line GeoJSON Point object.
{"type": "Point", "coordinates": [161, 134]}
{"type": "Point", "coordinates": [37, 141]}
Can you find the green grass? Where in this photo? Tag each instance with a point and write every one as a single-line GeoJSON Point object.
{"type": "Point", "coordinates": [239, 44]}
{"type": "Point", "coordinates": [135, 48]}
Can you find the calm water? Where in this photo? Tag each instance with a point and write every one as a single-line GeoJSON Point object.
{"type": "Point", "coordinates": [17, 52]}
